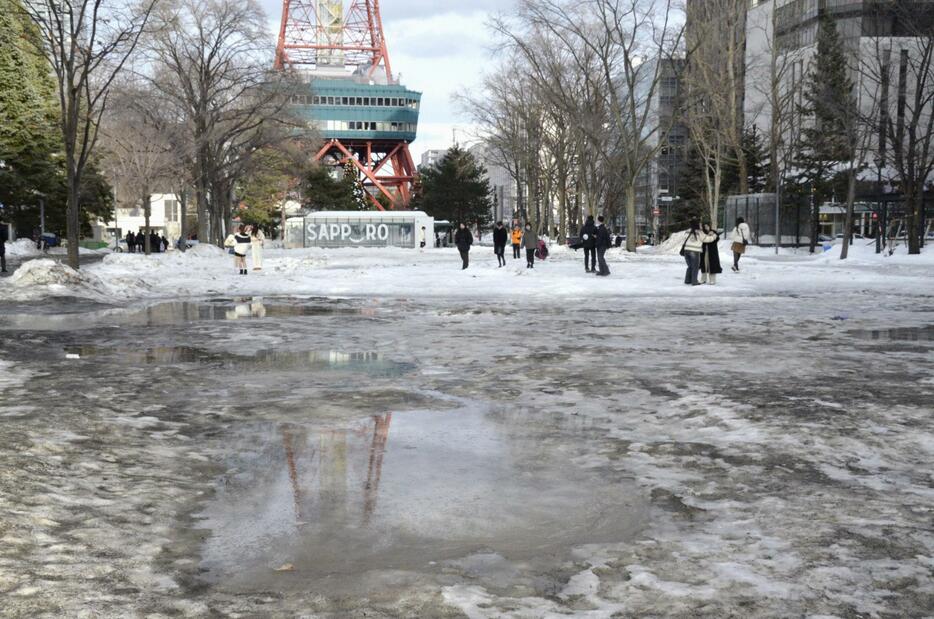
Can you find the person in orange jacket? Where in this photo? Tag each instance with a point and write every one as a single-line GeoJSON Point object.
{"type": "Point", "coordinates": [516, 241]}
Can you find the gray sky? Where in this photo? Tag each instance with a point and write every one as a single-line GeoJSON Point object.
{"type": "Point", "coordinates": [437, 47]}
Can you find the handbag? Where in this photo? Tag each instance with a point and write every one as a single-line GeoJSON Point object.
{"type": "Point", "coordinates": [683, 245]}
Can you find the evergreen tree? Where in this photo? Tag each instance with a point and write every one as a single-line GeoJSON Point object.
{"type": "Point", "coordinates": [456, 189]}
{"type": "Point", "coordinates": [757, 160]}
{"type": "Point", "coordinates": [323, 192]}
{"type": "Point", "coordinates": [30, 142]}
{"type": "Point", "coordinates": [825, 114]}
{"type": "Point", "coordinates": [31, 149]}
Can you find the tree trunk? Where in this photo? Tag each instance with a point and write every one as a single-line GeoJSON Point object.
{"type": "Point", "coordinates": [815, 221]}
{"type": "Point", "coordinates": [147, 211]}
{"type": "Point", "coordinates": [848, 220]}
{"type": "Point", "coordinates": [183, 222]}
{"type": "Point", "coordinates": [72, 214]}
{"type": "Point", "coordinates": [914, 221]}
{"type": "Point", "coordinates": [630, 216]}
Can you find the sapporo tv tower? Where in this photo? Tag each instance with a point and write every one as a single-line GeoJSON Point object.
{"type": "Point", "coordinates": [366, 116]}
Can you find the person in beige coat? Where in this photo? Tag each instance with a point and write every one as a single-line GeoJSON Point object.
{"type": "Point", "coordinates": [257, 241]}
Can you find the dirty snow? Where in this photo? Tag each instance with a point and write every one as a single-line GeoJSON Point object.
{"type": "Point", "coordinates": [418, 441]}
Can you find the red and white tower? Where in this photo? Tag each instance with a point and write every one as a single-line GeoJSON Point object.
{"type": "Point", "coordinates": [366, 117]}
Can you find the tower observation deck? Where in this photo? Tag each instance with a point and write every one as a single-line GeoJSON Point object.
{"type": "Point", "coordinates": [365, 116]}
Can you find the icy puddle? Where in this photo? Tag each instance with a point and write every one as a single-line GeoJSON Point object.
{"type": "Point", "coordinates": [404, 492]}
{"type": "Point", "coordinates": [308, 457]}
{"type": "Point", "coordinates": [373, 363]}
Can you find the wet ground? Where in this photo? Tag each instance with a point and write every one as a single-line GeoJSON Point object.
{"type": "Point", "coordinates": [749, 457]}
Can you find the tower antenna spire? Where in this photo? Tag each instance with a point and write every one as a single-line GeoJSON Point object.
{"type": "Point", "coordinates": [317, 35]}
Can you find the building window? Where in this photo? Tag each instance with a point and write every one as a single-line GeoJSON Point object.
{"type": "Point", "coordinates": [171, 210]}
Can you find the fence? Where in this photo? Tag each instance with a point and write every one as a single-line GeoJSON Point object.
{"type": "Point", "coordinates": [759, 212]}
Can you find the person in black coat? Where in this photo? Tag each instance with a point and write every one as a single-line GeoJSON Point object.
{"type": "Point", "coordinates": [589, 243]}
{"type": "Point", "coordinates": [500, 236]}
{"type": "Point", "coordinates": [710, 256]}
{"type": "Point", "coordinates": [131, 242]}
{"type": "Point", "coordinates": [463, 239]}
{"type": "Point", "coordinates": [603, 244]}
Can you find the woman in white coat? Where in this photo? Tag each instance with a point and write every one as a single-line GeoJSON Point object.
{"type": "Point", "coordinates": [741, 238]}
{"type": "Point", "coordinates": [257, 240]}
{"type": "Point", "coordinates": [239, 244]}
{"type": "Point", "coordinates": [691, 250]}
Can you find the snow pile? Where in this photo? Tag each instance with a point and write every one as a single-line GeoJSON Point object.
{"type": "Point", "coordinates": [205, 250]}
{"type": "Point", "coordinates": [22, 248]}
{"type": "Point", "coordinates": [46, 272]}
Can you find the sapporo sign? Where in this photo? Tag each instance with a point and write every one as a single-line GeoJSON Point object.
{"type": "Point", "coordinates": [359, 233]}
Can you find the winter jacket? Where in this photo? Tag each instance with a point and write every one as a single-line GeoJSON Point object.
{"type": "Point", "coordinates": [516, 236]}
{"type": "Point", "coordinates": [463, 239]}
{"type": "Point", "coordinates": [710, 256]}
{"type": "Point", "coordinates": [695, 241]}
{"type": "Point", "coordinates": [241, 244]}
{"type": "Point", "coordinates": [603, 237]}
{"type": "Point", "coordinates": [500, 237]}
{"type": "Point", "coordinates": [589, 235]}
{"type": "Point", "coordinates": [530, 239]}
{"type": "Point", "coordinates": [741, 234]}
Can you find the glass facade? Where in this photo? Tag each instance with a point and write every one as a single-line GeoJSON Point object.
{"type": "Point", "coordinates": [346, 109]}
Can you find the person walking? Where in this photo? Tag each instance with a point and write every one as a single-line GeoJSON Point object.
{"type": "Point", "coordinates": [239, 242]}
{"type": "Point", "coordinates": [589, 243]}
{"type": "Point", "coordinates": [516, 240]}
{"type": "Point", "coordinates": [257, 242]}
{"type": "Point", "coordinates": [710, 256]}
{"type": "Point", "coordinates": [155, 244]}
{"type": "Point", "coordinates": [421, 239]}
{"type": "Point", "coordinates": [691, 250]}
{"type": "Point", "coordinates": [500, 236]}
{"type": "Point", "coordinates": [603, 243]}
{"type": "Point", "coordinates": [165, 243]}
{"type": "Point", "coordinates": [740, 237]}
{"type": "Point", "coordinates": [530, 243]}
{"type": "Point", "coordinates": [463, 239]}
{"type": "Point", "coordinates": [141, 242]}
{"type": "Point", "coordinates": [131, 242]}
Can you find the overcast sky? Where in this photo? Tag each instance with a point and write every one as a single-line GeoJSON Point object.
{"type": "Point", "coordinates": [437, 47]}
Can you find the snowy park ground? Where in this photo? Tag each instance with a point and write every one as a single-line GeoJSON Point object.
{"type": "Point", "coordinates": [373, 433]}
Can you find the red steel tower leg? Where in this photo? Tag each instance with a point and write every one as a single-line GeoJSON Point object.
{"type": "Point", "coordinates": [319, 37]}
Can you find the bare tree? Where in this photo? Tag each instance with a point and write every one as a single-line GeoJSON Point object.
{"type": "Point", "coordinates": [212, 60]}
{"type": "Point", "coordinates": [629, 42]}
{"type": "Point", "coordinates": [87, 42]}
{"type": "Point", "coordinates": [137, 149]}
{"type": "Point", "coordinates": [903, 67]}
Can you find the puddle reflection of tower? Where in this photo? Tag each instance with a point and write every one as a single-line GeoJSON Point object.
{"type": "Point", "coordinates": [365, 116]}
{"type": "Point", "coordinates": [288, 438]}
{"type": "Point", "coordinates": [334, 470]}
{"type": "Point", "coordinates": [375, 468]}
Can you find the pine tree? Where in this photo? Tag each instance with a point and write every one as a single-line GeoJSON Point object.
{"type": "Point", "coordinates": [825, 113]}
{"type": "Point", "coordinates": [757, 160]}
{"type": "Point", "coordinates": [456, 189]}
{"type": "Point", "coordinates": [323, 192]}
